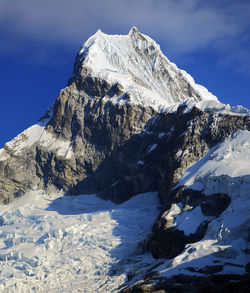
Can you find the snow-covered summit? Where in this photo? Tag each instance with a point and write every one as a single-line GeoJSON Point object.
{"type": "Point", "coordinates": [136, 62]}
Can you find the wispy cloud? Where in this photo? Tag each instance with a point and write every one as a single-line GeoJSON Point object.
{"type": "Point", "coordinates": [182, 26]}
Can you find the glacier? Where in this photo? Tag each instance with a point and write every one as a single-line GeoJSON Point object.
{"type": "Point", "coordinates": [55, 243]}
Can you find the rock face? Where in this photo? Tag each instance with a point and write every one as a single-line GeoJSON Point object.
{"type": "Point", "coordinates": [119, 85]}
{"type": "Point", "coordinates": [128, 122]}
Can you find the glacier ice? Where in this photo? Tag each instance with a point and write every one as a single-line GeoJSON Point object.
{"type": "Point", "coordinates": [57, 243]}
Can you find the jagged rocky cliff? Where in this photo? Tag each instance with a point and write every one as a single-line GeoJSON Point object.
{"type": "Point", "coordinates": [129, 121]}
{"type": "Point", "coordinates": [121, 87]}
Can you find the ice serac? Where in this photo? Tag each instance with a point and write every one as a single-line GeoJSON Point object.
{"type": "Point", "coordinates": [130, 122]}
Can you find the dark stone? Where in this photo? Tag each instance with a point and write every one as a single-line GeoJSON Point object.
{"type": "Point", "coordinates": [215, 204]}
{"type": "Point", "coordinates": [194, 284]}
{"type": "Point", "coordinates": [247, 267]}
{"type": "Point", "coordinates": [208, 270]}
{"type": "Point", "coordinates": [167, 242]}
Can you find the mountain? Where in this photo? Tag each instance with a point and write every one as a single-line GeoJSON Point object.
{"type": "Point", "coordinates": [130, 122]}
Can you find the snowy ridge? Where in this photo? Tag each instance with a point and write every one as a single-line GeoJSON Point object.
{"type": "Point", "coordinates": [136, 62]}
{"type": "Point", "coordinates": [213, 106]}
{"type": "Point", "coordinates": [36, 133]}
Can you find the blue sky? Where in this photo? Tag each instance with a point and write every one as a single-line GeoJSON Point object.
{"type": "Point", "coordinates": [39, 41]}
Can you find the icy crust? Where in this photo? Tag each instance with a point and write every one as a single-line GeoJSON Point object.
{"type": "Point", "coordinates": [37, 133]}
{"type": "Point", "coordinates": [50, 243]}
{"type": "Point", "coordinates": [216, 106]}
{"type": "Point", "coordinates": [137, 63]}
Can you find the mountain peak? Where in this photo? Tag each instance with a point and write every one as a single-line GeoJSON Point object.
{"type": "Point", "coordinates": [103, 136]}
{"type": "Point", "coordinates": [136, 62]}
{"type": "Point", "coordinates": [133, 31]}
{"type": "Point", "coordinates": [99, 32]}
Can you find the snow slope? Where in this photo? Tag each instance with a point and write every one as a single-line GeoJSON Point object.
{"type": "Point", "coordinates": [224, 163]}
{"type": "Point", "coordinates": [37, 133]}
{"type": "Point", "coordinates": [50, 243]}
